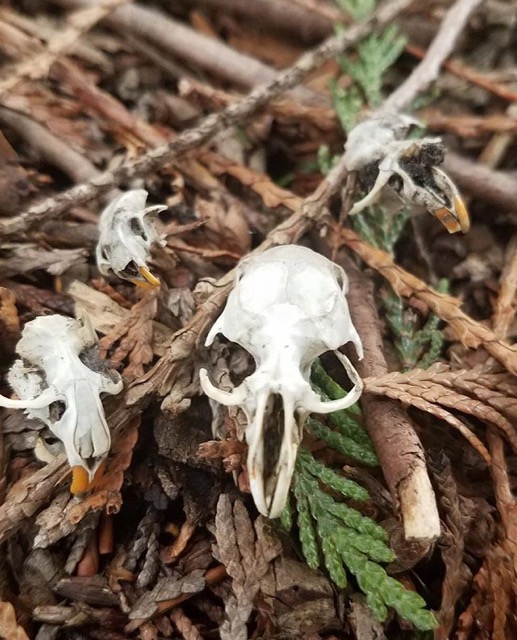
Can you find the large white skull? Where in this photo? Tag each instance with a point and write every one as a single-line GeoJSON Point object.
{"type": "Point", "coordinates": [287, 308]}
{"type": "Point", "coordinates": [126, 236]}
{"type": "Point", "coordinates": [56, 384]}
{"type": "Point", "coordinates": [408, 165]}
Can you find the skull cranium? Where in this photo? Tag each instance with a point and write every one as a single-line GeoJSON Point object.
{"type": "Point", "coordinates": [126, 237]}
{"type": "Point", "coordinates": [56, 386]}
{"type": "Point", "coordinates": [287, 308]}
{"type": "Point", "coordinates": [408, 165]}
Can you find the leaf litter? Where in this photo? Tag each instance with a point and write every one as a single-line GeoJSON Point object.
{"type": "Point", "coordinates": [168, 542]}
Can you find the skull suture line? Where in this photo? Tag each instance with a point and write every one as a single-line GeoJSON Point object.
{"type": "Point", "coordinates": [408, 166]}
{"type": "Point", "coordinates": [126, 237]}
{"type": "Point", "coordinates": [287, 308]}
{"type": "Point", "coordinates": [55, 385]}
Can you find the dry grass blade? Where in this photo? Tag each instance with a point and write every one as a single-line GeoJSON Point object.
{"type": "Point", "coordinates": [468, 331]}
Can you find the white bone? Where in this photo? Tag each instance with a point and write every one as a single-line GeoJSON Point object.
{"type": "Point", "coordinates": [51, 370]}
{"type": "Point", "coordinates": [287, 308]}
{"type": "Point", "coordinates": [126, 235]}
{"type": "Point", "coordinates": [381, 140]}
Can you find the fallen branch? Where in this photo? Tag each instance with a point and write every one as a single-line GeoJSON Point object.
{"type": "Point", "coordinates": [209, 127]}
{"type": "Point", "coordinates": [427, 71]}
{"type": "Point", "coordinates": [393, 434]}
{"type": "Point", "coordinates": [38, 65]}
{"type": "Point", "coordinates": [27, 496]}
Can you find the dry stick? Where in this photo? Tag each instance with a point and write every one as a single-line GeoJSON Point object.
{"type": "Point", "coordinates": [281, 15]}
{"type": "Point", "coordinates": [209, 127]}
{"type": "Point", "coordinates": [427, 71]}
{"type": "Point", "coordinates": [181, 41]}
{"type": "Point", "coordinates": [162, 377]}
{"type": "Point", "coordinates": [28, 495]}
{"type": "Point", "coordinates": [38, 65]}
{"type": "Point", "coordinates": [495, 187]}
{"type": "Point", "coordinates": [471, 75]}
{"type": "Point", "coordinates": [393, 434]}
{"type": "Point", "coordinates": [48, 146]}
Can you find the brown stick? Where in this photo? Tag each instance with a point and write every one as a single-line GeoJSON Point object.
{"type": "Point", "coordinates": [493, 187]}
{"type": "Point", "coordinates": [27, 496]}
{"type": "Point", "coordinates": [393, 434]}
{"type": "Point", "coordinates": [280, 15]}
{"type": "Point", "coordinates": [427, 71]}
{"type": "Point", "coordinates": [180, 41]}
{"type": "Point", "coordinates": [48, 146]}
{"type": "Point", "coordinates": [467, 73]}
{"type": "Point", "coordinates": [209, 127]}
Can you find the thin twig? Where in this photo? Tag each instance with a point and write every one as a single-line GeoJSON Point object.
{"type": "Point", "coordinates": [38, 65]}
{"type": "Point", "coordinates": [281, 15]}
{"type": "Point", "coordinates": [467, 73]}
{"type": "Point", "coordinates": [427, 71]}
{"type": "Point", "coordinates": [48, 146]}
{"type": "Point", "coordinates": [209, 127]}
{"type": "Point", "coordinates": [493, 187]}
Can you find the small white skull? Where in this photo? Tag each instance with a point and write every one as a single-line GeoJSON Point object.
{"type": "Point", "coordinates": [407, 165]}
{"type": "Point", "coordinates": [126, 236]}
{"type": "Point", "coordinates": [287, 308]}
{"type": "Point", "coordinates": [55, 385]}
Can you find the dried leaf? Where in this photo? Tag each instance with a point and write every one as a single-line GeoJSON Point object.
{"type": "Point", "coordinates": [226, 227]}
{"type": "Point", "coordinates": [167, 589]}
{"type": "Point", "coordinates": [134, 335]}
{"type": "Point", "coordinates": [246, 552]}
{"type": "Point", "coordinates": [9, 628]}
{"type": "Point", "coordinates": [434, 388]}
{"type": "Point", "coordinates": [106, 315]}
{"type": "Point", "coordinates": [469, 332]}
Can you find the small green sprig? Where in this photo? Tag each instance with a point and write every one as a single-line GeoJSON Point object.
{"type": "Point", "coordinates": [416, 347]}
{"type": "Point", "coordinates": [348, 540]}
{"type": "Point", "coordinates": [358, 9]}
{"type": "Point", "coordinates": [375, 55]}
{"type": "Point", "coordinates": [379, 228]}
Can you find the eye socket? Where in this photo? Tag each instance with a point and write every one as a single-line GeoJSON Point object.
{"type": "Point", "coordinates": [136, 227]}
{"type": "Point", "coordinates": [56, 410]}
